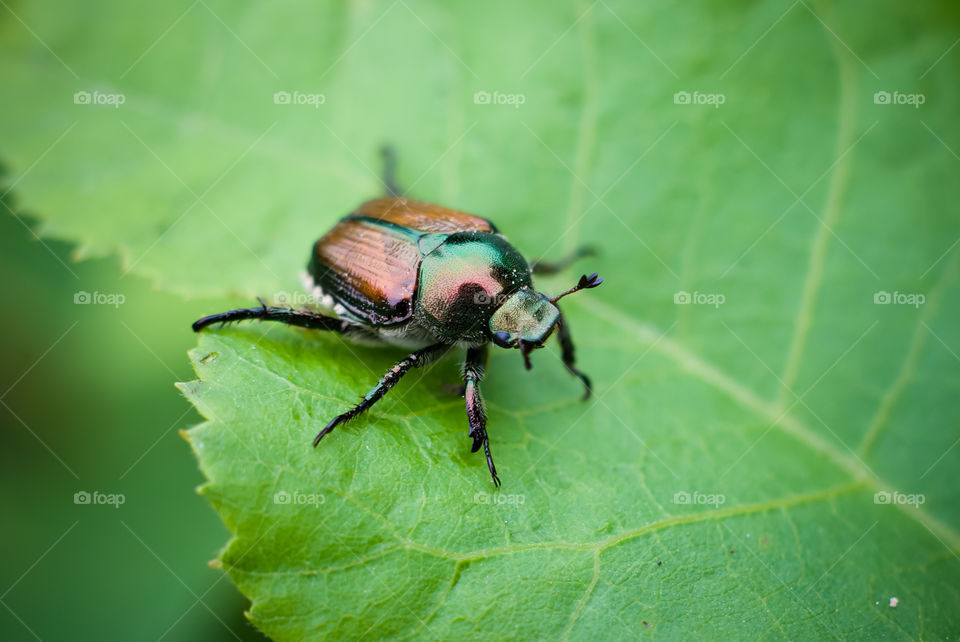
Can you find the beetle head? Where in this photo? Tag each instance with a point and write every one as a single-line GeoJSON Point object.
{"type": "Point", "coordinates": [524, 321]}
{"type": "Point", "coordinates": [527, 318]}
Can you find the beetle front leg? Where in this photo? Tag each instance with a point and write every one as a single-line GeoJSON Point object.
{"type": "Point", "coordinates": [567, 353]}
{"type": "Point", "coordinates": [473, 371]}
{"type": "Point", "coordinates": [552, 267]}
{"type": "Point", "coordinates": [389, 380]}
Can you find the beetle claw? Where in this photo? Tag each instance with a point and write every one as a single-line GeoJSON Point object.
{"type": "Point", "coordinates": [587, 386]}
{"type": "Point", "coordinates": [336, 421]}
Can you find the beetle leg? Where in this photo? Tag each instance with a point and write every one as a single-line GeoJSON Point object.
{"type": "Point", "coordinates": [389, 157]}
{"type": "Point", "coordinates": [289, 316]}
{"type": "Point", "coordinates": [473, 371]}
{"type": "Point", "coordinates": [387, 381]}
{"type": "Point", "coordinates": [552, 267]}
{"type": "Point", "coordinates": [567, 353]}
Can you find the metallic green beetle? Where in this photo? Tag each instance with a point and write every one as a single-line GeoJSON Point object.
{"type": "Point", "coordinates": [426, 278]}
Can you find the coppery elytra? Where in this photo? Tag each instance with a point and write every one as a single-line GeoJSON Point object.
{"type": "Point", "coordinates": [426, 278]}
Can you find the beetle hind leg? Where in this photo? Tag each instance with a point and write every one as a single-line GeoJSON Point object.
{"type": "Point", "coordinates": [389, 157]}
{"type": "Point", "coordinates": [473, 371]}
{"type": "Point", "coordinates": [289, 316]}
{"type": "Point", "coordinates": [387, 381]}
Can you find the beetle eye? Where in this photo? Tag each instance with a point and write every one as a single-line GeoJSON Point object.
{"type": "Point", "coordinates": [502, 339]}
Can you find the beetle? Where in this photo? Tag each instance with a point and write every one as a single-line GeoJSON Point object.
{"type": "Point", "coordinates": [427, 278]}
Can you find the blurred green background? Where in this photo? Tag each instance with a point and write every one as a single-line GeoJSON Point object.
{"type": "Point", "coordinates": [87, 572]}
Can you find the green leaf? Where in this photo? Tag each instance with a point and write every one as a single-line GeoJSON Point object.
{"type": "Point", "coordinates": [784, 403]}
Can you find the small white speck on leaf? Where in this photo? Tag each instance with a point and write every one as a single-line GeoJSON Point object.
{"type": "Point", "coordinates": [893, 602]}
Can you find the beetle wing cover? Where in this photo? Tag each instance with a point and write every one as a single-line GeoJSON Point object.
{"type": "Point", "coordinates": [423, 217]}
{"type": "Point", "coordinates": [369, 268]}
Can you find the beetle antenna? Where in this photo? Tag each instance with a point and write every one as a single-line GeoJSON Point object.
{"type": "Point", "coordinates": [585, 283]}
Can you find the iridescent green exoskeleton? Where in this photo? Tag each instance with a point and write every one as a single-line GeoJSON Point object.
{"type": "Point", "coordinates": [426, 278]}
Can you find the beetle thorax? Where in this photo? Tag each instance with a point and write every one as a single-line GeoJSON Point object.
{"type": "Point", "coordinates": [465, 280]}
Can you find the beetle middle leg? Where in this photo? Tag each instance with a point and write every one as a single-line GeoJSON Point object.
{"type": "Point", "coordinates": [473, 371]}
{"type": "Point", "coordinates": [552, 267]}
{"type": "Point", "coordinates": [567, 354]}
{"type": "Point", "coordinates": [414, 360]}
